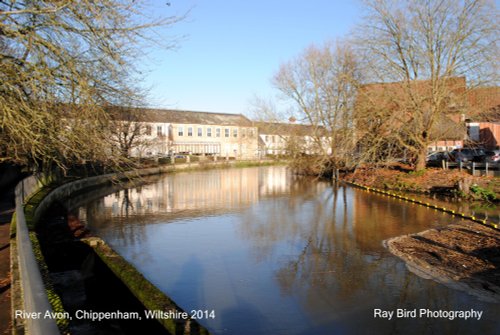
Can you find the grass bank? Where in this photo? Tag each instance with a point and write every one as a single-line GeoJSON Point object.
{"type": "Point", "coordinates": [449, 183]}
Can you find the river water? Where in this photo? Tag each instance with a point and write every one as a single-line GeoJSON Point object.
{"type": "Point", "coordinates": [259, 251]}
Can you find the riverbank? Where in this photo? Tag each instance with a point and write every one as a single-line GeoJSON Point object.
{"type": "Point", "coordinates": [464, 256]}
{"type": "Point", "coordinates": [450, 183]}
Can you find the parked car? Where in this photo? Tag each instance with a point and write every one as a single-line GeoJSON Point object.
{"type": "Point", "coordinates": [436, 158]}
{"type": "Point", "coordinates": [468, 155]}
{"type": "Point", "coordinates": [492, 156]}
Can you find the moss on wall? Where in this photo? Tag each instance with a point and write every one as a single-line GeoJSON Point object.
{"type": "Point", "coordinates": [13, 226]}
{"type": "Point", "coordinates": [148, 294]}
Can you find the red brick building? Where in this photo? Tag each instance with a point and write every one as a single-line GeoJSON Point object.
{"type": "Point", "coordinates": [484, 116]}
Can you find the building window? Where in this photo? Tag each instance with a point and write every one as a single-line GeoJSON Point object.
{"type": "Point", "coordinates": [148, 129]}
{"type": "Point", "coordinates": [200, 132]}
{"type": "Point", "coordinates": [226, 132]}
{"type": "Point", "coordinates": [217, 132]}
{"type": "Point", "coordinates": [243, 132]}
{"type": "Point", "coordinates": [190, 131]}
{"type": "Point", "coordinates": [159, 131]}
{"type": "Point", "coordinates": [180, 131]}
{"type": "Point", "coordinates": [250, 133]}
{"type": "Point", "coordinates": [267, 138]}
{"type": "Point", "coordinates": [235, 132]}
{"type": "Point", "coordinates": [209, 132]}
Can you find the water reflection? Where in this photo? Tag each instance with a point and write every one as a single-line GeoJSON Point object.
{"type": "Point", "coordinates": [196, 191]}
{"type": "Point", "coordinates": [273, 254]}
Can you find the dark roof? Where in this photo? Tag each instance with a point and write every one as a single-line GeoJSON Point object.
{"type": "Point", "coordinates": [190, 117]}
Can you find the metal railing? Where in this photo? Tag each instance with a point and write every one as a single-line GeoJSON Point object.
{"type": "Point", "coordinates": [473, 167]}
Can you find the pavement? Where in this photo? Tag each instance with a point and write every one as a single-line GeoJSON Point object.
{"type": "Point", "coordinates": [6, 210]}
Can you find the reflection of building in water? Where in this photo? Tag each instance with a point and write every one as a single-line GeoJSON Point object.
{"type": "Point", "coordinates": [274, 180]}
{"type": "Point", "coordinates": [221, 189]}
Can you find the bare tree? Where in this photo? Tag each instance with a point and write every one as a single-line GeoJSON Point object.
{"type": "Point", "coordinates": [62, 63]}
{"type": "Point", "coordinates": [422, 50]}
{"type": "Point", "coordinates": [129, 130]}
{"type": "Point", "coordinates": [320, 86]}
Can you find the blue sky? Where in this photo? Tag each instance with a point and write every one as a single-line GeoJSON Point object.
{"type": "Point", "coordinates": [231, 49]}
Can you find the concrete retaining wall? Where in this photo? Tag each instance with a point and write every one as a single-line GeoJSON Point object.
{"type": "Point", "coordinates": [34, 296]}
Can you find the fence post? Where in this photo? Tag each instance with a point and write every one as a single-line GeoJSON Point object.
{"type": "Point", "coordinates": [460, 166]}
{"type": "Point", "coordinates": [473, 168]}
{"type": "Point", "coordinates": [486, 169]}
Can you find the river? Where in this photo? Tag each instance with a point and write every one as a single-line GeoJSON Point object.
{"type": "Point", "coordinates": [260, 251]}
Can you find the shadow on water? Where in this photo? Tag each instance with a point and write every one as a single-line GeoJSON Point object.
{"type": "Point", "coordinates": [189, 282]}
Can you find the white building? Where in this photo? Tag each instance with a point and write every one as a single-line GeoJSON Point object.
{"type": "Point", "coordinates": [286, 139]}
{"type": "Point", "coordinates": [166, 132]}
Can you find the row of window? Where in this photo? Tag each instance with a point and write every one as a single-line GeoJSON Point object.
{"type": "Point", "coordinates": [208, 133]}
{"type": "Point", "coordinates": [272, 137]}
{"type": "Point", "coordinates": [159, 131]}
{"type": "Point", "coordinates": [199, 131]}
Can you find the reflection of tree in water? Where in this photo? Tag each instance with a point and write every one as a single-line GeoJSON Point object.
{"type": "Point", "coordinates": [329, 260]}
{"type": "Point", "coordinates": [123, 227]}
{"type": "Point", "coordinates": [126, 205]}
{"type": "Point", "coordinates": [312, 236]}
{"type": "Point", "coordinates": [270, 221]}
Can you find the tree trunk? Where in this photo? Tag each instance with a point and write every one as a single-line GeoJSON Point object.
{"type": "Point", "coordinates": [421, 159]}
